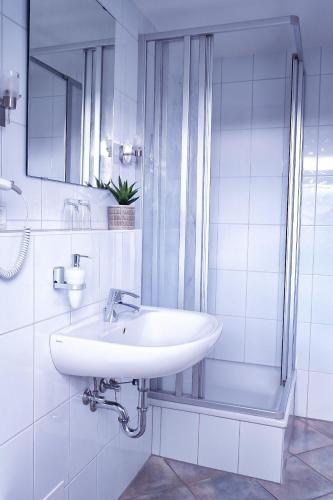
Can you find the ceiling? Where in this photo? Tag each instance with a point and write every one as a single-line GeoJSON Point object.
{"type": "Point", "coordinates": [316, 16]}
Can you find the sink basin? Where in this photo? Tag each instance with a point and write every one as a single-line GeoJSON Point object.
{"type": "Point", "coordinates": [153, 342]}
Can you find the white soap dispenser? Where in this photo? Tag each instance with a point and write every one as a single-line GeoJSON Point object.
{"type": "Point", "coordinates": [75, 275]}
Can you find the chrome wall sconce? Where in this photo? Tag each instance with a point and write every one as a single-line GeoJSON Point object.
{"type": "Point", "coordinates": [9, 94]}
{"type": "Point", "coordinates": [127, 152]}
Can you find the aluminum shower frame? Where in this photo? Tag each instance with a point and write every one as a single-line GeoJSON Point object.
{"type": "Point", "coordinates": [293, 214]}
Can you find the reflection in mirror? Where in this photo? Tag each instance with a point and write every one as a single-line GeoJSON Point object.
{"type": "Point", "coordinates": [71, 87]}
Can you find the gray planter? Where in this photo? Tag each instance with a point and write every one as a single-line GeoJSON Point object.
{"type": "Point", "coordinates": [121, 217]}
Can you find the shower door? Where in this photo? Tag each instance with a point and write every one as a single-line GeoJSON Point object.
{"type": "Point", "coordinates": [176, 179]}
{"type": "Point", "coordinates": [222, 180]}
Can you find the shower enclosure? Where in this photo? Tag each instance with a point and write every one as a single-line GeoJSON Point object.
{"type": "Point", "coordinates": [222, 128]}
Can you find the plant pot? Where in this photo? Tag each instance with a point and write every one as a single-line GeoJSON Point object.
{"type": "Point", "coordinates": [121, 217]}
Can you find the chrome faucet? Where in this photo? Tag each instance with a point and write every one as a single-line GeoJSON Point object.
{"type": "Point", "coordinates": [116, 297]}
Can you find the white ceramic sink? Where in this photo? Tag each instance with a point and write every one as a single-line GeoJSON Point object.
{"type": "Point", "coordinates": [154, 342]}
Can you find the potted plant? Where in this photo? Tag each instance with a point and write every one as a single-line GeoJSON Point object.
{"type": "Point", "coordinates": [121, 216]}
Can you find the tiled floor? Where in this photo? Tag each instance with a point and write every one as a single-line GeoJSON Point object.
{"type": "Point", "coordinates": [309, 474]}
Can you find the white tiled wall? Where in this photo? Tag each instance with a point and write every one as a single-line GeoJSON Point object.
{"type": "Point", "coordinates": [44, 423]}
{"type": "Point", "coordinates": [248, 199]}
{"type": "Point", "coordinates": [315, 328]}
{"type": "Point", "coordinates": [45, 204]}
{"type": "Point", "coordinates": [46, 435]}
{"type": "Point", "coordinates": [227, 444]}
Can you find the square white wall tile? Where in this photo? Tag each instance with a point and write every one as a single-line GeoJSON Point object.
{"type": "Point", "coordinates": [230, 293]}
{"type": "Point", "coordinates": [215, 153]}
{"type": "Point", "coordinates": [308, 200]}
{"type": "Point", "coordinates": [312, 60]}
{"type": "Point", "coordinates": [218, 443]}
{"type": "Point", "coordinates": [320, 405]}
{"type": "Point", "coordinates": [262, 295]}
{"type": "Point", "coordinates": [46, 374]}
{"type": "Point", "coordinates": [51, 451]}
{"type": "Point", "coordinates": [13, 167]}
{"type": "Point", "coordinates": [16, 365]}
{"type": "Point", "coordinates": [50, 251]}
{"type": "Point", "coordinates": [327, 60]}
{"type": "Point", "coordinates": [110, 479]}
{"type": "Point", "coordinates": [233, 200]}
{"type": "Point", "coordinates": [212, 250]}
{"type": "Point", "coordinates": [261, 451]}
{"type": "Point", "coordinates": [83, 436]}
{"type": "Point", "coordinates": [217, 70]}
{"type": "Point", "coordinates": [133, 453]}
{"type": "Point", "coordinates": [306, 250]}
{"type": "Point", "coordinates": [264, 248]}
{"type": "Point", "coordinates": [234, 149]}
{"type": "Point", "coordinates": [85, 484]}
{"type": "Point", "coordinates": [304, 298]}
{"type": "Point", "coordinates": [179, 435]}
{"type": "Point", "coordinates": [323, 248]}
{"type": "Point", "coordinates": [310, 146]}
{"type": "Point", "coordinates": [15, 291]}
{"type": "Point", "coordinates": [265, 200]}
{"type": "Point", "coordinates": [236, 105]}
{"type": "Point", "coordinates": [267, 152]}
{"type": "Point", "coordinates": [53, 204]}
{"type": "Point", "coordinates": [260, 341]}
{"type": "Point", "coordinates": [232, 247]}
{"type": "Point", "coordinates": [325, 150]}
{"type": "Point", "coordinates": [311, 100]}
{"type": "Point", "coordinates": [301, 393]}
{"type": "Point", "coordinates": [324, 207]}
{"type": "Point", "coordinates": [156, 436]}
{"type": "Point", "coordinates": [326, 103]}
{"type": "Point", "coordinates": [303, 346]}
{"type": "Point", "coordinates": [321, 348]}
{"type": "Point", "coordinates": [237, 69]}
{"type": "Point", "coordinates": [211, 292]}
{"type": "Point", "coordinates": [88, 244]}
{"type": "Point", "coordinates": [17, 455]}
{"type": "Point", "coordinates": [230, 345]}
{"type": "Point", "coordinates": [268, 103]}
{"type": "Point", "coordinates": [269, 65]}
{"type": "Point", "coordinates": [322, 310]}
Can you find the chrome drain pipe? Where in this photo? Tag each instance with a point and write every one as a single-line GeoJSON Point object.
{"type": "Point", "coordinates": [96, 400]}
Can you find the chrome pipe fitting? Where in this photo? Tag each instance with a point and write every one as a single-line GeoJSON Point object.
{"type": "Point", "coordinates": [96, 400]}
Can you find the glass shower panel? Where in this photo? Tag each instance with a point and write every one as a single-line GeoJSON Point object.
{"type": "Point", "coordinates": [177, 138]}
{"type": "Point", "coordinates": [249, 195]}
{"type": "Point", "coordinates": [224, 132]}
{"type": "Point", "coordinates": [162, 186]}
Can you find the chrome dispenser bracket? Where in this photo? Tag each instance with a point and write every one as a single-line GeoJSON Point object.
{"type": "Point", "coordinates": [59, 282]}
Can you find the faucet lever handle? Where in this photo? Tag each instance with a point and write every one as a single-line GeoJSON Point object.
{"type": "Point", "coordinates": [129, 294]}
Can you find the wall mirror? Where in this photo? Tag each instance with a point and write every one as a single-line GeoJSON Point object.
{"type": "Point", "coordinates": [70, 91]}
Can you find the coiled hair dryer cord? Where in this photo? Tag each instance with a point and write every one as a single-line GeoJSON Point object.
{"type": "Point", "coordinates": [8, 274]}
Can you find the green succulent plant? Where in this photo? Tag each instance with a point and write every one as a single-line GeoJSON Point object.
{"type": "Point", "coordinates": [123, 193]}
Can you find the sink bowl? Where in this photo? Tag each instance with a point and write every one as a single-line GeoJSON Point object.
{"type": "Point", "coordinates": [153, 342]}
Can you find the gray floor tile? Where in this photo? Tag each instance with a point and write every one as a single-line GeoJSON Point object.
{"type": "Point", "coordinates": [300, 483]}
{"type": "Point", "coordinates": [322, 426]}
{"type": "Point", "coordinates": [305, 437]}
{"type": "Point", "coordinates": [190, 473]}
{"type": "Point", "coordinates": [155, 476]}
{"type": "Point", "coordinates": [230, 487]}
{"type": "Point", "coordinates": [321, 460]}
{"type": "Point", "coordinates": [181, 493]}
